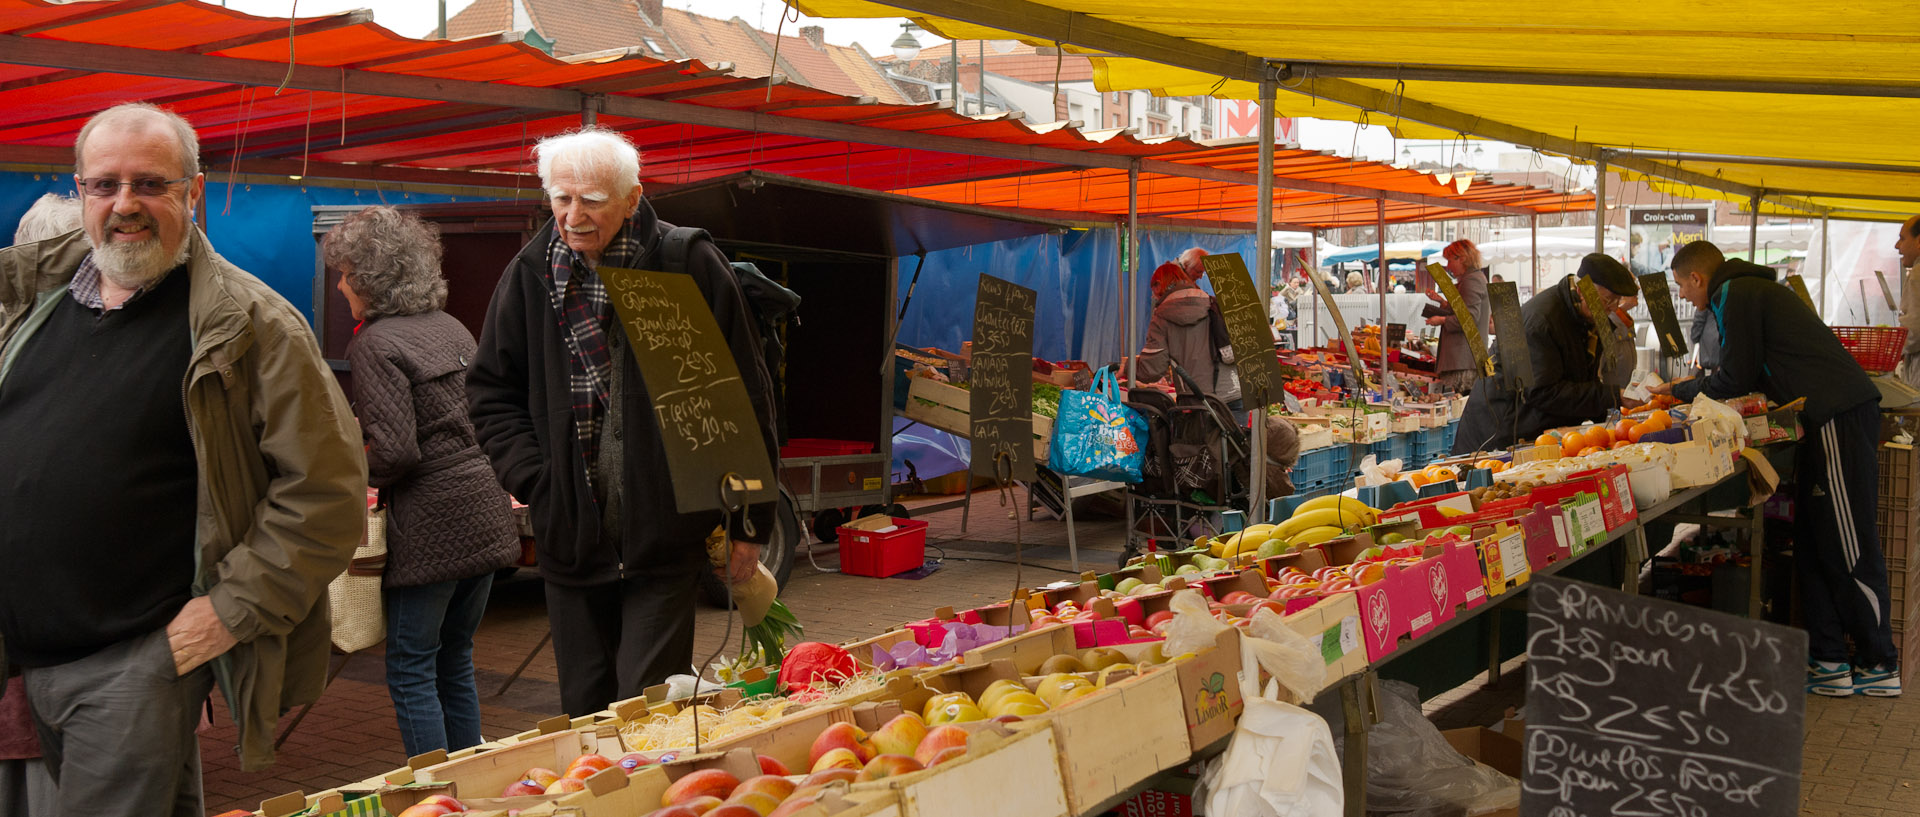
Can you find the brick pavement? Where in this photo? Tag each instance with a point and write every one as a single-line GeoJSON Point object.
{"type": "Point", "coordinates": [1862, 756]}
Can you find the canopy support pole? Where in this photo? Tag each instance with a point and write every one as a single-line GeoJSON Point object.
{"type": "Point", "coordinates": [1533, 228]}
{"type": "Point", "coordinates": [959, 105]}
{"type": "Point", "coordinates": [1130, 273]}
{"type": "Point", "coordinates": [1263, 281]}
{"type": "Point", "coordinates": [1826, 266]}
{"type": "Point", "coordinates": [1600, 203]}
{"type": "Point", "coordinates": [1753, 228]}
{"type": "Point", "coordinates": [1380, 229]}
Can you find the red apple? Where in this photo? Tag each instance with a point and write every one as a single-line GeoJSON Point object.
{"type": "Point", "coordinates": [634, 761]}
{"type": "Point", "coordinates": [542, 776]}
{"type": "Point", "coordinates": [886, 766]}
{"type": "Point", "coordinates": [938, 738]}
{"type": "Point", "coordinates": [425, 810]}
{"type": "Point", "coordinates": [522, 789]}
{"type": "Point", "coordinates": [715, 783]}
{"type": "Point", "coordinates": [773, 766]}
{"type": "Point", "coordinates": [585, 765]}
{"type": "Point", "coordinates": [1157, 618]}
{"type": "Point", "coordinates": [567, 784]}
{"type": "Point", "coordinates": [947, 754]}
{"type": "Point", "coordinates": [842, 735]}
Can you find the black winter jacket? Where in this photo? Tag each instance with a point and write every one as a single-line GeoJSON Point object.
{"type": "Point", "coordinates": [1566, 378]}
{"type": "Point", "coordinates": [523, 414]}
{"type": "Point", "coordinates": [447, 518]}
{"type": "Point", "coordinates": [1772, 342]}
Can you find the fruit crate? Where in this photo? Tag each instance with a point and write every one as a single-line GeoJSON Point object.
{"type": "Point", "coordinates": [1319, 465]}
{"type": "Point", "coordinates": [879, 555]}
{"type": "Point", "coordinates": [1394, 447]}
{"type": "Point", "coordinates": [1899, 490]}
{"type": "Point", "coordinates": [1897, 529]}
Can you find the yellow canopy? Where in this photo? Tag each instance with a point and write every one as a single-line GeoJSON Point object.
{"type": "Point", "coordinates": [1541, 74]}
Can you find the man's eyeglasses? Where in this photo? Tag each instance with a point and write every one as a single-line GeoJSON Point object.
{"type": "Point", "coordinates": [101, 187]}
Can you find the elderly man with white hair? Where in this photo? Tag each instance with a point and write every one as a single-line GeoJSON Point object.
{"type": "Point", "coordinates": [558, 405]}
{"type": "Point", "coordinates": [180, 478]}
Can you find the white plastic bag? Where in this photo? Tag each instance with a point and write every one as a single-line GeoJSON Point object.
{"type": "Point", "coordinates": [1193, 628]}
{"type": "Point", "coordinates": [1716, 421]}
{"type": "Point", "coordinates": [1377, 473]}
{"type": "Point", "coordinates": [1281, 761]}
{"type": "Point", "coordinates": [1286, 655]}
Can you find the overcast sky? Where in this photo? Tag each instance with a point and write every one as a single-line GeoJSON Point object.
{"type": "Point", "coordinates": [416, 18]}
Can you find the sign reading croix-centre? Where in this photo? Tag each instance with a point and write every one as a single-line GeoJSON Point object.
{"type": "Point", "coordinates": [706, 420]}
{"type": "Point", "coordinates": [1638, 706]}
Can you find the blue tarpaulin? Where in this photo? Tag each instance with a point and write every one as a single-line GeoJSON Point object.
{"type": "Point", "coordinates": [1076, 278]}
{"type": "Point", "coordinates": [268, 230]}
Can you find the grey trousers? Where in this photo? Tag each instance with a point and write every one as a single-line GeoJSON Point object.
{"type": "Point", "coordinates": [117, 731]}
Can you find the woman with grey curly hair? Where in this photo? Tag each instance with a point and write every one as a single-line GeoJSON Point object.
{"type": "Point", "coordinates": [449, 524]}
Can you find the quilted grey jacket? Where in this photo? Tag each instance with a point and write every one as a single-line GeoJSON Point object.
{"type": "Point", "coordinates": [447, 516]}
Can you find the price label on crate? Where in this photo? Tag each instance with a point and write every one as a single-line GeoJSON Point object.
{"type": "Point", "coordinates": [700, 404]}
{"type": "Point", "coordinates": [1001, 413]}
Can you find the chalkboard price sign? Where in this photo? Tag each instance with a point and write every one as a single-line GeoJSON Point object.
{"type": "Point", "coordinates": [1655, 293]}
{"type": "Point", "coordinates": [1596, 309]}
{"type": "Point", "coordinates": [1799, 287]}
{"type": "Point", "coordinates": [700, 404]}
{"type": "Point", "coordinates": [1516, 359]}
{"type": "Point", "coordinates": [1340, 323]}
{"type": "Point", "coordinates": [1001, 409]}
{"type": "Point", "coordinates": [1640, 706]}
{"type": "Point", "coordinates": [1884, 291]}
{"type": "Point", "coordinates": [1247, 328]}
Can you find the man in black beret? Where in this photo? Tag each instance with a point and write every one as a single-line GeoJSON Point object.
{"type": "Point", "coordinates": [1772, 342]}
{"type": "Point", "coordinates": [1567, 357]}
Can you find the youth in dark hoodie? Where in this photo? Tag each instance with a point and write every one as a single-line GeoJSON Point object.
{"type": "Point", "coordinates": [1772, 342]}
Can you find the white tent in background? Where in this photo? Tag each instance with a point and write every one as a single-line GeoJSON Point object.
{"type": "Point", "coordinates": [1551, 246]}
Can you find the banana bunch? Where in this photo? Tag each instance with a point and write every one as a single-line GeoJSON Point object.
{"type": "Point", "coordinates": [1328, 517]}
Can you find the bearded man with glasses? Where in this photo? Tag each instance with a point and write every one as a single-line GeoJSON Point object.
{"type": "Point", "coordinates": [180, 478]}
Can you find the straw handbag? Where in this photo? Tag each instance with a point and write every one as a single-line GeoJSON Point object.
{"type": "Point", "coordinates": [353, 598]}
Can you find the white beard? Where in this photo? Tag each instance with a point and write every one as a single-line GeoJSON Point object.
{"type": "Point", "coordinates": [135, 265]}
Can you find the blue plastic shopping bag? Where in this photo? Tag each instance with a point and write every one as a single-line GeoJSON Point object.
{"type": "Point", "coordinates": [1096, 435]}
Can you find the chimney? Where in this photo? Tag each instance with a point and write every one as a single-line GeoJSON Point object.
{"type": "Point", "coordinates": [651, 9]}
{"type": "Point", "coordinates": [815, 35]}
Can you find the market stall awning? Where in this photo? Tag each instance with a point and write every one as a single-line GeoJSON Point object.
{"type": "Point", "coordinates": [1764, 78]}
{"type": "Point", "coordinates": [341, 97]}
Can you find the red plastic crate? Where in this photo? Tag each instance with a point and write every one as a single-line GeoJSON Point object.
{"type": "Point", "coordinates": [879, 555]}
{"type": "Point", "coordinates": [1878, 348]}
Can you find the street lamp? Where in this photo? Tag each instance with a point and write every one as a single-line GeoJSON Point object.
{"type": "Point", "coordinates": [906, 46]}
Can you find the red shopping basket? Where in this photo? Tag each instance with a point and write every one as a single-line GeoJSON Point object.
{"type": "Point", "coordinates": [867, 553]}
{"type": "Point", "coordinates": [1877, 348]}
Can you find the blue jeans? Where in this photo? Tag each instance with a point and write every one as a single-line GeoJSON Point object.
{"type": "Point", "coordinates": [430, 662]}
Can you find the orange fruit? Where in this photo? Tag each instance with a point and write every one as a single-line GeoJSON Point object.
{"type": "Point", "coordinates": [1634, 434]}
{"type": "Point", "coordinates": [1548, 438]}
{"type": "Point", "coordinates": [1589, 450]}
{"type": "Point", "coordinates": [1572, 443]}
{"type": "Point", "coordinates": [1660, 421]}
{"type": "Point", "coordinates": [1620, 431]}
{"type": "Point", "coordinates": [1621, 443]}
{"type": "Point", "coordinates": [1600, 436]}
{"type": "Point", "coordinates": [1419, 479]}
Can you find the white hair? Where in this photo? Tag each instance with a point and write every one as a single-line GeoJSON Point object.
{"type": "Point", "coordinates": [1190, 260]}
{"type": "Point", "coordinates": [51, 215]}
{"type": "Point", "coordinates": [186, 141]}
{"type": "Point", "coordinates": [595, 154]}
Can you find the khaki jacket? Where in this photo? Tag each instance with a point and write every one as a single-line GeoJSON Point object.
{"type": "Point", "coordinates": [282, 495]}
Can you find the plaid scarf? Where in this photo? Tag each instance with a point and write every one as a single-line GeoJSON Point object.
{"type": "Point", "coordinates": [586, 315]}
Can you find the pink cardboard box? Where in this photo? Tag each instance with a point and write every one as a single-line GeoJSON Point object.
{"type": "Point", "coordinates": [1546, 534]}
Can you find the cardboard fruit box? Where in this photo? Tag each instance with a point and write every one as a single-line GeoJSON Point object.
{"type": "Point", "coordinates": [786, 739]}
{"type": "Point", "coordinates": [1108, 741]}
{"type": "Point", "coordinates": [1025, 651]}
{"type": "Point", "coordinates": [1008, 769]}
{"type": "Point", "coordinates": [1333, 626]}
{"type": "Point", "coordinates": [1209, 689]}
{"type": "Point", "coordinates": [1503, 556]}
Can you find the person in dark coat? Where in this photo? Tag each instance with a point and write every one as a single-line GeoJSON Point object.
{"type": "Point", "coordinates": [449, 524]}
{"type": "Point", "coordinates": [1568, 388]}
{"type": "Point", "coordinates": [1775, 343]}
{"type": "Point", "coordinates": [560, 408]}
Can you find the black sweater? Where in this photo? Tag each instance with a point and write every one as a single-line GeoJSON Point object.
{"type": "Point", "coordinates": [522, 413]}
{"type": "Point", "coordinates": [97, 478]}
{"type": "Point", "coordinates": [1772, 342]}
